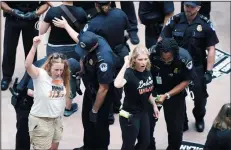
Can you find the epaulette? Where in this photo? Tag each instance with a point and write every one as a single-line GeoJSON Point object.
{"type": "Point", "coordinates": [205, 19]}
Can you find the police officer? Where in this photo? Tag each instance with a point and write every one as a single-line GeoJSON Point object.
{"type": "Point", "coordinates": [195, 33]}
{"type": "Point", "coordinates": [154, 15]}
{"type": "Point", "coordinates": [204, 10]}
{"type": "Point", "coordinates": [22, 100]}
{"type": "Point", "coordinates": [126, 6]}
{"type": "Point", "coordinates": [111, 23]}
{"type": "Point", "coordinates": [98, 72]}
{"type": "Point", "coordinates": [172, 71]}
{"type": "Point", "coordinates": [20, 16]}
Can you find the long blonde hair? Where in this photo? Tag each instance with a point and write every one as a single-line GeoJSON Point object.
{"type": "Point", "coordinates": [59, 58]}
{"type": "Point", "coordinates": [223, 119]}
{"type": "Point", "coordinates": [138, 50]}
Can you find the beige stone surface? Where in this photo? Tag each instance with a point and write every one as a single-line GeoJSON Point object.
{"type": "Point", "coordinates": [219, 91]}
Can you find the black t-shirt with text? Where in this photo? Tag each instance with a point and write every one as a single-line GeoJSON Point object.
{"type": "Point", "coordinates": [59, 36]}
{"type": "Point", "coordinates": [137, 90]}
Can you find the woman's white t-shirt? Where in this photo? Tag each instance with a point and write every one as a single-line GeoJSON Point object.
{"type": "Point", "coordinates": [49, 96]}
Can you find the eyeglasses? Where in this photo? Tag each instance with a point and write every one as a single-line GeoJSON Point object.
{"type": "Point", "coordinates": [58, 55]}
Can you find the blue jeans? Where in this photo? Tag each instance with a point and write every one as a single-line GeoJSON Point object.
{"type": "Point", "coordinates": [68, 50]}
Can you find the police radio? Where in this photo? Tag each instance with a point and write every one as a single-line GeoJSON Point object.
{"type": "Point", "coordinates": [14, 92]}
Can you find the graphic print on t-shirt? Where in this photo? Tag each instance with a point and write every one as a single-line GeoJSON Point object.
{"type": "Point", "coordinates": [146, 86]}
{"type": "Point", "coordinates": [57, 89]}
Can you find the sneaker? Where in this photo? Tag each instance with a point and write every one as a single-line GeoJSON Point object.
{"type": "Point", "coordinates": [74, 108]}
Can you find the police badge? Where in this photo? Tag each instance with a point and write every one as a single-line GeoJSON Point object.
{"type": "Point", "coordinates": [199, 28]}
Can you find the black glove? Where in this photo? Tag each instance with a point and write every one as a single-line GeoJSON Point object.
{"type": "Point", "coordinates": [30, 16]}
{"type": "Point", "coordinates": [93, 116]}
{"type": "Point", "coordinates": [17, 13]}
{"type": "Point", "coordinates": [208, 76]}
{"type": "Point", "coordinates": [78, 83]}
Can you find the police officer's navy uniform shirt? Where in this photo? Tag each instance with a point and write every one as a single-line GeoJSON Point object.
{"type": "Point", "coordinates": [194, 37]}
{"type": "Point", "coordinates": [110, 26]}
{"type": "Point", "coordinates": [166, 77]}
{"type": "Point", "coordinates": [154, 12]}
{"type": "Point", "coordinates": [137, 90]}
{"type": "Point", "coordinates": [59, 36]}
{"type": "Point", "coordinates": [99, 65]}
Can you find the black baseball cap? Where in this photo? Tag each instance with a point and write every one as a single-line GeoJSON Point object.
{"type": "Point", "coordinates": [192, 3]}
{"type": "Point", "coordinates": [88, 41]}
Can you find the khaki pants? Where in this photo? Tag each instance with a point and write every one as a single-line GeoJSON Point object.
{"type": "Point", "coordinates": [43, 131]}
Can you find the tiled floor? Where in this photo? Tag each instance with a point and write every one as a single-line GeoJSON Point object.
{"type": "Point", "coordinates": [219, 91]}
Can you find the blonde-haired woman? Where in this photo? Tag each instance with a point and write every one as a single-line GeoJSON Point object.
{"type": "Point", "coordinates": [51, 88]}
{"type": "Point", "coordinates": [137, 81]}
{"type": "Point", "coordinates": [219, 136]}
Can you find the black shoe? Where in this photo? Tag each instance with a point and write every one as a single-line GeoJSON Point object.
{"type": "Point", "coordinates": [185, 127]}
{"type": "Point", "coordinates": [5, 84]}
{"type": "Point", "coordinates": [200, 125]}
{"type": "Point", "coordinates": [134, 38]}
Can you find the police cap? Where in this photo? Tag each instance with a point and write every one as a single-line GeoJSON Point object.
{"type": "Point", "coordinates": [88, 41]}
{"type": "Point", "coordinates": [193, 3]}
{"type": "Point", "coordinates": [103, 2]}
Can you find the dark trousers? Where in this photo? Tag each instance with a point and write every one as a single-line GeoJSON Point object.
{"type": "Point", "coordinates": [136, 128]}
{"type": "Point", "coordinates": [152, 33]}
{"type": "Point", "coordinates": [96, 136]}
{"type": "Point", "coordinates": [13, 27]}
{"type": "Point", "coordinates": [22, 109]}
{"type": "Point", "coordinates": [129, 9]}
{"type": "Point", "coordinates": [199, 89]}
{"type": "Point", "coordinates": [174, 111]}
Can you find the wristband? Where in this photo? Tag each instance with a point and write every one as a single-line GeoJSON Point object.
{"type": "Point", "coordinates": [168, 96]}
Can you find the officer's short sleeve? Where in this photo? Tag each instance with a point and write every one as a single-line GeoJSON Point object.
{"type": "Point", "coordinates": [105, 72]}
{"type": "Point", "coordinates": [211, 36]}
{"type": "Point", "coordinates": [187, 74]}
{"type": "Point", "coordinates": [49, 16]}
{"type": "Point", "coordinates": [92, 26]}
{"type": "Point", "coordinates": [168, 7]}
{"type": "Point", "coordinates": [30, 84]}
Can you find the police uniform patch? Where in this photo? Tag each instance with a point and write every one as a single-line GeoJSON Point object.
{"type": "Point", "coordinates": [82, 45]}
{"type": "Point", "coordinates": [189, 65]}
{"type": "Point", "coordinates": [103, 67]}
{"type": "Point", "coordinates": [212, 27]}
{"type": "Point", "coordinates": [85, 28]}
{"type": "Point", "coordinates": [199, 28]}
